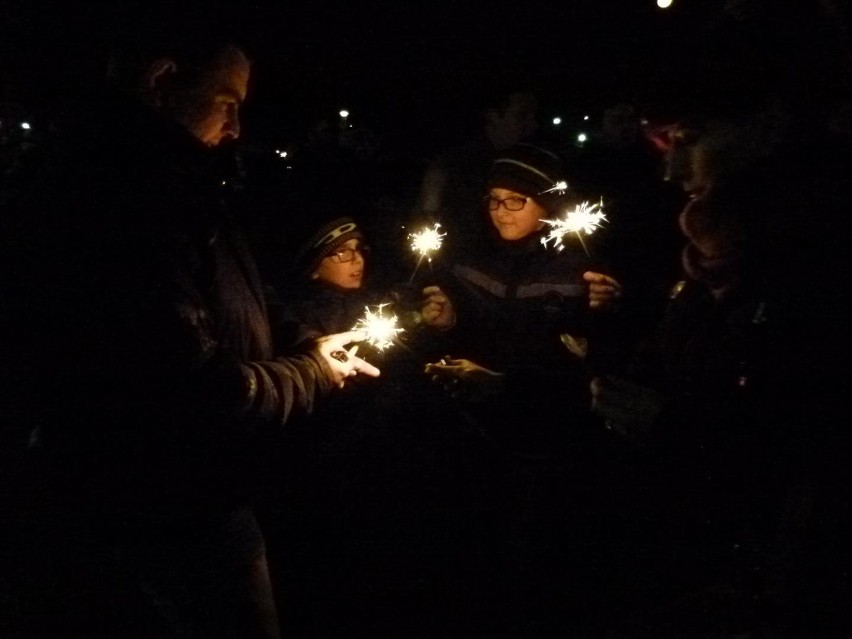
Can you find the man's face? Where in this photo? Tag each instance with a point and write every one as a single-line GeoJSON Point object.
{"type": "Point", "coordinates": [713, 153]}
{"type": "Point", "coordinates": [687, 161]}
{"type": "Point", "coordinates": [209, 109]}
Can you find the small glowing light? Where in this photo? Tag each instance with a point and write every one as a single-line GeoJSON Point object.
{"type": "Point", "coordinates": [586, 118]}
{"type": "Point", "coordinates": [559, 187]}
{"type": "Point", "coordinates": [582, 138]}
{"type": "Point", "coordinates": [224, 182]}
{"type": "Point", "coordinates": [281, 154]}
{"type": "Point", "coordinates": [25, 126]}
{"type": "Point", "coordinates": [664, 4]}
{"type": "Point", "coordinates": [344, 114]}
{"type": "Point", "coordinates": [557, 121]}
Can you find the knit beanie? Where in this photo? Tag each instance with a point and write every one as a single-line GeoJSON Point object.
{"type": "Point", "coordinates": [328, 238]}
{"type": "Point", "coordinates": [529, 170]}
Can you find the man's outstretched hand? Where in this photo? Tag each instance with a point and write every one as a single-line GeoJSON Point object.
{"type": "Point", "coordinates": [344, 363]}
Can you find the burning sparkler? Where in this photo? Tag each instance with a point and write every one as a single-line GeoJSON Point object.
{"type": "Point", "coordinates": [584, 219]}
{"type": "Point", "coordinates": [426, 242]}
{"type": "Point", "coordinates": [559, 187]}
{"type": "Point", "coordinates": [380, 329]}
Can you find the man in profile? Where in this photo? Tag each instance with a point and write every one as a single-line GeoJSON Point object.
{"type": "Point", "coordinates": [147, 385]}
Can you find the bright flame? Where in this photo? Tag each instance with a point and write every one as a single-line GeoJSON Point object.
{"type": "Point", "coordinates": [344, 114]}
{"type": "Point", "coordinates": [584, 219]}
{"type": "Point", "coordinates": [664, 4]}
{"type": "Point", "coordinates": [427, 241]}
{"type": "Point", "coordinates": [380, 329]}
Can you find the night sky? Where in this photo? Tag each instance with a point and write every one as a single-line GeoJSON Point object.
{"type": "Point", "coordinates": [407, 67]}
{"type": "Point", "coordinates": [392, 63]}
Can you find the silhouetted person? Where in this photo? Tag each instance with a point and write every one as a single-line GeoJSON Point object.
{"type": "Point", "coordinates": [148, 383]}
{"type": "Point", "coordinates": [736, 407]}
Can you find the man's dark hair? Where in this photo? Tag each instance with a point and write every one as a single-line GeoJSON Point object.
{"type": "Point", "coordinates": [194, 49]}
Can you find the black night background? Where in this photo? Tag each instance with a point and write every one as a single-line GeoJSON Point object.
{"type": "Point", "coordinates": [402, 512]}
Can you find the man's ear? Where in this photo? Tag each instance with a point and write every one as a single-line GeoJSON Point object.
{"type": "Point", "coordinates": [157, 77]}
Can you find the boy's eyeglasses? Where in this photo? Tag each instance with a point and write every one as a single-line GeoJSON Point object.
{"type": "Point", "coordinates": [512, 203]}
{"type": "Point", "coordinates": [347, 254]}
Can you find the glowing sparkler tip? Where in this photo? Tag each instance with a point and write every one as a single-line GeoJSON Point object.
{"type": "Point", "coordinates": [560, 187]}
{"type": "Point", "coordinates": [584, 219]}
{"type": "Point", "coordinates": [379, 329]}
{"type": "Point", "coordinates": [427, 241]}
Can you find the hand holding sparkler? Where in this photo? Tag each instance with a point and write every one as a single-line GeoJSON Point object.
{"type": "Point", "coordinates": [437, 310]}
{"type": "Point", "coordinates": [344, 363]}
{"type": "Point", "coordinates": [604, 291]}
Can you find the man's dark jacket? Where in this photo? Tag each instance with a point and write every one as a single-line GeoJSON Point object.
{"type": "Point", "coordinates": [134, 325]}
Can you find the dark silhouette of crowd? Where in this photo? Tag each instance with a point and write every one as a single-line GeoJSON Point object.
{"type": "Point", "coordinates": [239, 400]}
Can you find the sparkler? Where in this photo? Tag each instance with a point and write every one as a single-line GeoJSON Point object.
{"type": "Point", "coordinates": [559, 187]}
{"type": "Point", "coordinates": [584, 219]}
{"type": "Point", "coordinates": [380, 329]}
{"type": "Point", "coordinates": [426, 242]}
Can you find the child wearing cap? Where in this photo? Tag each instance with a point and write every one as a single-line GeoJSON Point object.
{"type": "Point", "coordinates": [509, 310]}
{"type": "Point", "coordinates": [515, 318]}
{"type": "Point", "coordinates": [330, 270]}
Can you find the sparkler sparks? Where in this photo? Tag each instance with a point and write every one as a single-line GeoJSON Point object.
{"type": "Point", "coordinates": [584, 219]}
{"type": "Point", "coordinates": [427, 241]}
{"type": "Point", "coordinates": [380, 329]}
{"type": "Point", "coordinates": [559, 187]}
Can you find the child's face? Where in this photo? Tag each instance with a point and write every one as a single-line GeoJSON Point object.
{"type": "Point", "coordinates": [514, 225]}
{"type": "Point", "coordinates": [344, 267]}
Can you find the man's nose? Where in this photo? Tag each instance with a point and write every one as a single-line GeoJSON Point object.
{"type": "Point", "coordinates": [677, 164]}
{"type": "Point", "coordinates": [232, 126]}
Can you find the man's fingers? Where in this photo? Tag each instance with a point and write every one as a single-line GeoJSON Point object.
{"type": "Point", "coordinates": [593, 277]}
{"type": "Point", "coordinates": [365, 368]}
{"type": "Point", "coordinates": [348, 337]}
{"type": "Point", "coordinates": [600, 279]}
